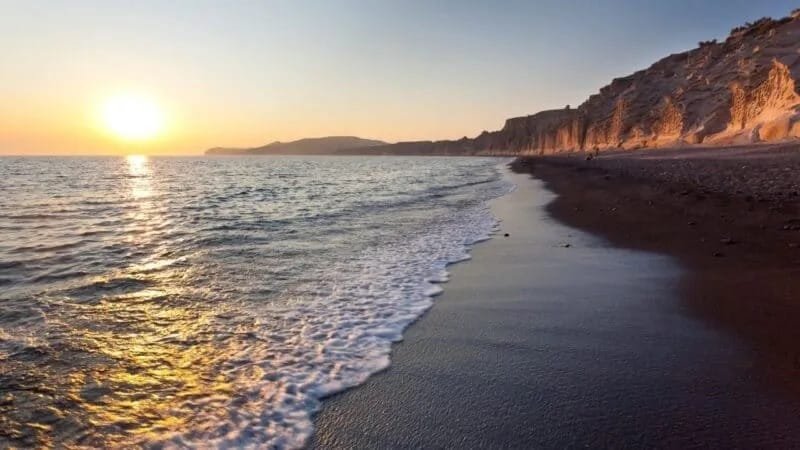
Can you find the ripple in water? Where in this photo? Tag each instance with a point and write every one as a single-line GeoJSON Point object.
{"type": "Point", "coordinates": [215, 301]}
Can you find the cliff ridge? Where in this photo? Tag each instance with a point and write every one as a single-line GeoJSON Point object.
{"type": "Point", "coordinates": [739, 91]}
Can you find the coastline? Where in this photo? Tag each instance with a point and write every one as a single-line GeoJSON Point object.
{"type": "Point", "coordinates": [536, 343]}
{"type": "Point", "coordinates": [730, 216]}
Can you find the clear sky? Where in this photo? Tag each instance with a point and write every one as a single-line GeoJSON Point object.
{"type": "Point", "coordinates": [244, 73]}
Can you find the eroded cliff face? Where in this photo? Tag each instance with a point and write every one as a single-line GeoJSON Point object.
{"type": "Point", "coordinates": [742, 90]}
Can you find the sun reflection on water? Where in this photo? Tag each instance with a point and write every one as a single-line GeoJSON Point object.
{"type": "Point", "coordinates": [150, 360]}
{"type": "Point", "coordinates": [213, 303]}
{"type": "Point", "coordinates": [139, 175]}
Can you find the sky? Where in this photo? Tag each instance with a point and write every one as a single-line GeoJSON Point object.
{"type": "Point", "coordinates": [245, 73]}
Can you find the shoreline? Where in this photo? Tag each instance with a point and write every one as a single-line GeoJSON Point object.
{"type": "Point", "coordinates": [732, 219]}
{"type": "Point", "coordinates": [534, 343]}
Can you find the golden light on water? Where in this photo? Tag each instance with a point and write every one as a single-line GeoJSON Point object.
{"type": "Point", "coordinates": [137, 165]}
{"type": "Point", "coordinates": [139, 171]}
{"type": "Point", "coordinates": [132, 117]}
{"type": "Point", "coordinates": [151, 368]}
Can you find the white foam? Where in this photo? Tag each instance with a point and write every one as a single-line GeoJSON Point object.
{"type": "Point", "coordinates": [333, 342]}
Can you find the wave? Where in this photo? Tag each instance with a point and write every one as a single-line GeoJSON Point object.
{"type": "Point", "coordinates": [231, 307]}
{"type": "Point", "coordinates": [340, 337]}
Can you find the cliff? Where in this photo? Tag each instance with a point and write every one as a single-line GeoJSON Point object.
{"type": "Point", "coordinates": [742, 90]}
{"type": "Point", "coordinates": [739, 91]}
{"type": "Point", "coordinates": [309, 146]}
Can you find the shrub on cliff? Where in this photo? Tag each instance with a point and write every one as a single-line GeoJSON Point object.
{"type": "Point", "coordinates": [760, 26]}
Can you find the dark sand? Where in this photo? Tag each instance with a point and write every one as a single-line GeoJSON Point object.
{"type": "Point", "coordinates": [730, 216]}
{"type": "Point", "coordinates": [537, 345]}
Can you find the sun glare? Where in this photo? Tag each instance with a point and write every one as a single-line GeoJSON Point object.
{"type": "Point", "coordinates": [132, 117]}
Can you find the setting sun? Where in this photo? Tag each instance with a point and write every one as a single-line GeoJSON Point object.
{"type": "Point", "coordinates": [132, 117]}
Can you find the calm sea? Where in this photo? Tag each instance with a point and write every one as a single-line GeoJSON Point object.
{"type": "Point", "coordinates": [215, 301]}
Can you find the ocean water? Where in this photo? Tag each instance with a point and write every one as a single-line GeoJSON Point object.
{"type": "Point", "coordinates": [214, 302]}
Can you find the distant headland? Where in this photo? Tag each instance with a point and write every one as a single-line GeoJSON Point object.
{"type": "Point", "coordinates": [308, 146]}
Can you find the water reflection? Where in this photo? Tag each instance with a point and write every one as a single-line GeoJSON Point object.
{"type": "Point", "coordinates": [144, 326]}
{"type": "Point", "coordinates": [151, 360]}
{"type": "Point", "coordinates": [212, 303]}
{"type": "Point", "coordinates": [139, 176]}
{"type": "Point", "coordinates": [129, 355]}
{"type": "Point", "coordinates": [143, 215]}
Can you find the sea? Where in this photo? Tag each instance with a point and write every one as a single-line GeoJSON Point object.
{"type": "Point", "coordinates": [216, 301]}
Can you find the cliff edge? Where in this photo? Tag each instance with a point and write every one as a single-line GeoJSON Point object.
{"type": "Point", "coordinates": [739, 91]}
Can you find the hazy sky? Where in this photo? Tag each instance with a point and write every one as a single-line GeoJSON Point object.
{"type": "Point", "coordinates": [248, 72]}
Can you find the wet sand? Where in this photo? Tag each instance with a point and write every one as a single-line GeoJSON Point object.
{"type": "Point", "coordinates": [552, 338]}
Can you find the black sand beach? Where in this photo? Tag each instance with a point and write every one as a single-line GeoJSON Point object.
{"type": "Point", "coordinates": [551, 338]}
{"type": "Point", "coordinates": [730, 216]}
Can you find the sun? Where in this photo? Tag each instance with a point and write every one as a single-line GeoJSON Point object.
{"type": "Point", "coordinates": [132, 117]}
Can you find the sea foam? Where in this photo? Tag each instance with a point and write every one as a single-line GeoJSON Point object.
{"type": "Point", "coordinates": [216, 302]}
{"type": "Point", "coordinates": [340, 338]}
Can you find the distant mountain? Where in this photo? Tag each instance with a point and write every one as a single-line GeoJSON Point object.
{"type": "Point", "coordinates": [310, 146]}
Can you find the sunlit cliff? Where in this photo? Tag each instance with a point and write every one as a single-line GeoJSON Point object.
{"type": "Point", "coordinates": [738, 91]}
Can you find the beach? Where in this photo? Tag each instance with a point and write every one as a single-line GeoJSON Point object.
{"type": "Point", "coordinates": [731, 216]}
{"type": "Point", "coordinates": [400, 225]}
{"type": "Point", "coordinates": [551, 337]}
